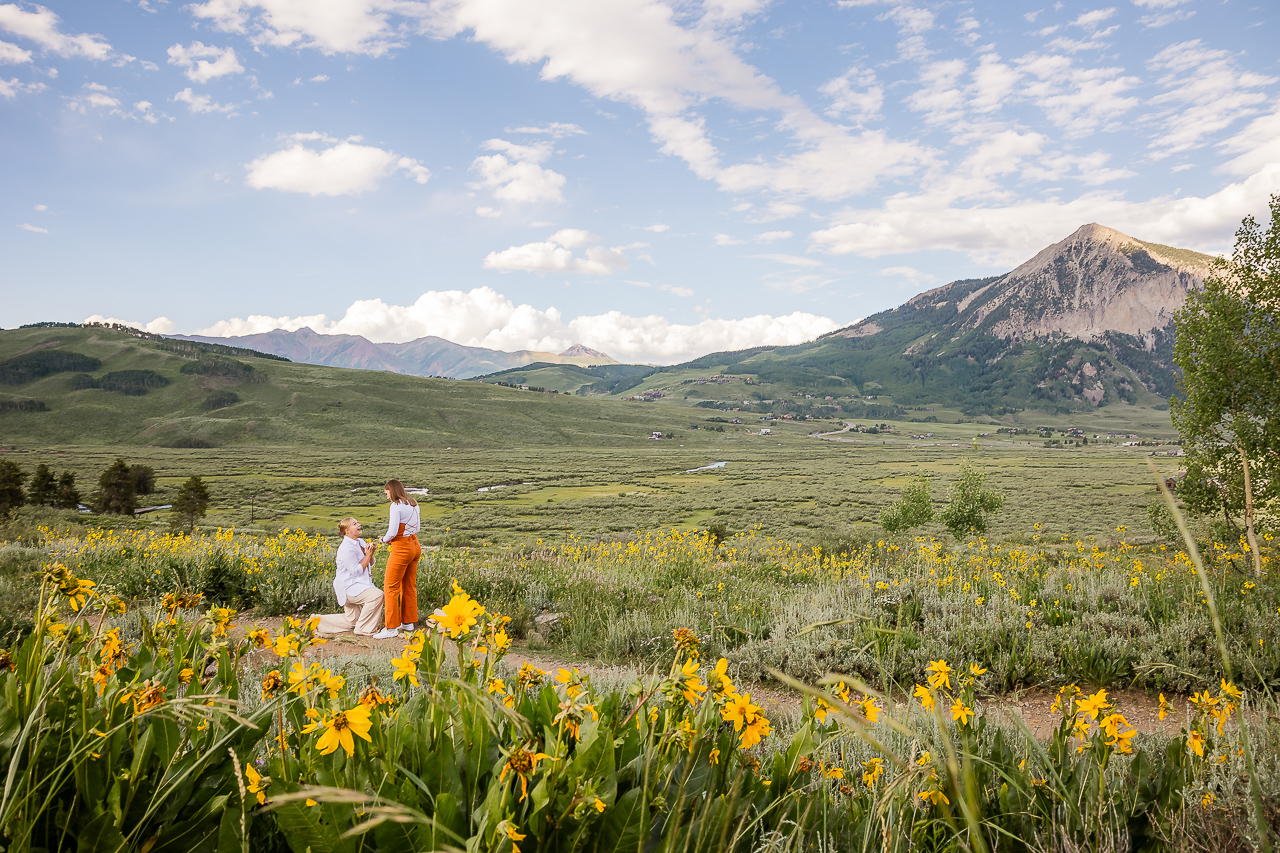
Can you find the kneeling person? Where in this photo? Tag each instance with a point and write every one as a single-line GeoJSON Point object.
{"type": "Point", "coordinates": [353, 584]}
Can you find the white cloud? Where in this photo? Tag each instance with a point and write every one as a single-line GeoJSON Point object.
{"type": "Point", "coordinates": [1091, 21]}
{"type": "Point", "coordinates": [1164, 18]}
{"type": "Point", "coordinates": [11, 54]}
{"type": "Point", "coordinates": [728, 240]}
{"type": "Point", "coordinates": [1080, 100]}
{"type": "Point", "coordinates": [1256, 147]}
{"type": "Point", "coordinates": [36, 229]}
{"type": "Point", "coordinates": [770, 236]}
{"type": "Point", "coordinates": [636, 52]}
{"type": "Point", "coordinates": [555, 129]}
{"type": "Point", "coordinates": [12, 87]}
{"type": "Point", "coordinates": [342, 167]}
{"type": "Point", "coordinates": [912, 275]}
{"type": "Point", "coordinates": [1205, 92]}
{"type": "Point", "coordinates": [96, 96]}
{"type": "Point", "coordinates": [158, 326]}
{"type": "Point", "coordinates": [488, 212]}
{"type": "Point", "coordinates": [203, 62]}
{"type": "Point", "coordinates": [657, 228]}
{"type": "Point", "coordinates": [555, 255]}
{"type": "Point", "coordinates": [1004, 234]}
{"type": "Point", "coordinates": [41, 207]}
{"type": "Point", "coordinates": [41, 27]}
{"type": "Point", "coordinates": [1159, 4]}
{"type": "Point", "coordinates": [855, 94]}
{"type": "Point", "coordinates": [319, 78]}
{"type": "Point", "coordinates": [202, 103]}
{"type": "Point", "coordinates": [485, 318]}
{"type": "Point", "coordinates": [370, 27]}
{"type": "Point", "coordinates": [514, 174]}
{"type": "Point", "coordinates": [792, 260]}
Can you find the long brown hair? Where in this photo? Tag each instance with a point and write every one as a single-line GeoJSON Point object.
{"type": "Point", "coordinates": [398, 494]}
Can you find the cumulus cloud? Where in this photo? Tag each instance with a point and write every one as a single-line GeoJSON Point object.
{"type": "Point", "coordinates": [514, 174]}
{"type": "Point", "coordinates": [158, 326]}
{"type": "Point", "coordinates": [771, 236]}
{"type": "Point", "coordinates": [1001, 235]}
{"type": "Point", "coordinates": [637, 52]}
{"type": "Point", "coordinates": [11, 54]}
{"type": "Point", "coordinates": [657, 228]}
{"type": "Point", "coordinates": [370, 27]}
{"type": "Point", "coordinates": [203, 62]}
{"type": "Point", "coordinates": [35, 229]}
{"type": "Point", "coordinates": [728, 240]}
{"type": "Point", "coordinates": [13, 87]}
{"type": "Point", "coordinates": [555, 255]}
{"type": "Point", "coordinates": [485, 318]}
{"type": "Point", "coordinates": [41, 27]}
{"type": "Point", "coordinates": [856, 95]}
{"type": "Point", "coordinates": [338, 167]}
{"type": "Point", "coordinates": [202, 103]}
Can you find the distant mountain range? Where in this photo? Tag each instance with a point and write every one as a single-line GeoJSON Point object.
{"type": "Point", "coordinates": [429, 356]}
{"type": "Point", "coordinates": [1086, 322]}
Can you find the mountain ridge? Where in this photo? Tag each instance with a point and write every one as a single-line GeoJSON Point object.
{"type": "Point", "coordinates": [425, 356]}
{"type": "Point", "coordinates": [1085, 322]}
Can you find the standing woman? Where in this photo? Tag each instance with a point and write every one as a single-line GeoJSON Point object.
{"type": "Point", "coordinates": [400, 586]}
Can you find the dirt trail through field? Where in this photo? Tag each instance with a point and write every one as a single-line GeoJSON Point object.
{"type": "Point", "coordinates": [1033, 707]}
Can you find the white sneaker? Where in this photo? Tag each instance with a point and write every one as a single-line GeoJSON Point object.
{"type": "Point", "coordinates": [407, 626]}
{"type": "Point", "coordinates": [386, 634]}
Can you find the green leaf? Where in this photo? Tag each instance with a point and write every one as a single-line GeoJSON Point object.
{"type": "Point", "coordinates": [625, 825]}
{"type": "Point", "coordinates": [100, 835]}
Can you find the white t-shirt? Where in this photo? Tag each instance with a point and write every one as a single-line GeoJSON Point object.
{"type": "Point", "coordinates": [406, 514]}
{"type": "Point", "coordinates": [351, 578]}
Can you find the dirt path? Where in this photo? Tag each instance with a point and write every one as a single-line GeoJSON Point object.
{"type": "Point", "coordinates": [1032, 706]}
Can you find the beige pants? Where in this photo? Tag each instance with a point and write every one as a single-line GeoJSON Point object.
{"type": "Point", "coordinates": [363, 615]}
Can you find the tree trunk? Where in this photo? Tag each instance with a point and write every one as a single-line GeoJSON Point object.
{"type": "Point", "coordinates": [1248, 514]}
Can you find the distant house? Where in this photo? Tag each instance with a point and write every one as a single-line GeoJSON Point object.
{"type": "Point", "coordinates": [766, 431]}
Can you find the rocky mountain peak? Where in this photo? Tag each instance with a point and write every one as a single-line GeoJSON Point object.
{"type": "Point", "coordinates": [580, 351]}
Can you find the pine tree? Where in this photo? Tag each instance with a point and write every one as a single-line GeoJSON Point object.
{"type": "Point", "coordinates": [144, 479]}
{"type": "Point", "coordinates": [116, 495]}
{"type": "Point", "coordinates": [11, 494]}
{"type": "Point", "coordinates": [44, 488]}
{"type": "Point", "coordinates": [191, 504]}
{"type": "Point", "coordinates": [68, 496]}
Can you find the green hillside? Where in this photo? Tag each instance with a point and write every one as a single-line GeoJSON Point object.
{"type": "Point", "coordinates": [77, 385]}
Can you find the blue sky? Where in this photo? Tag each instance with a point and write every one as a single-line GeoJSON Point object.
{"type": "Point", "coordinates": [655, 180]}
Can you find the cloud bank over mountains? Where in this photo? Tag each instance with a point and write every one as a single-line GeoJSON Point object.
{"type": "Point", "coordinates": [482, 317]}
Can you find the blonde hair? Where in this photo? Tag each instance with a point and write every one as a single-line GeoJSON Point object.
{"type": "Point", "coordinates": [398, 494]}
{"type": "Point", "coordinates": [345, 524]}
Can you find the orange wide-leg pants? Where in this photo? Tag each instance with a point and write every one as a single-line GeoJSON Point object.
{"type": "Point", "coordinates": [400, 586]}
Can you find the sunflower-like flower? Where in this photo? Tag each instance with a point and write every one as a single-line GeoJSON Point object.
{"type": "Point", "coordinates": [342, 729]}
{"type": "Point", "coordinates": [271, 684]}
{"type": "Point", "coordinates": [1114, 725]}
{"type": "Point", "coordinates": [939, 674]}
{"type": "Point", "coordinates": [721, 683]}
{"type": "Point", "coordinates": [260, 637]}
{"type": "Point", "coordinates": [150, 694]}
{"type": "Point", "coordinates": [522, 762]}
{"type": "Point", "coordinates": [513, 834]}
{"type": "Point", "coordinates": [1093, 705]}
{"type": "Point", "coordinates": [572, 681]}
{"type": "Point", "coordinates": [530, 676]}
{"type": "Point", "coordinates": [686, 641]}
{"type": "Point", "coordinates": [925, 696]}
{"type": "Point", "coordinates": [373, 697]}
{"type": "Point", "coordinates": [872, 769]}
{"type": "Point", "coordinates": [1195, 742]}
{"type": "Point", "coordinates": [258, 783]}
{"type": "Point", "coordinates": [690, 684]}
{"type": "Point", "coordinates": [961, 712]}
{"type": "Point", "coordinates": [747, 719]}
{"type": "Point", "coordinates": [459, 616]}
{"type": "Point", "coordinates": [405, 667]}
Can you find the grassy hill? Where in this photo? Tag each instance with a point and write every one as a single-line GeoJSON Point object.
{"type": "Point", "coordinates": [108, 386]}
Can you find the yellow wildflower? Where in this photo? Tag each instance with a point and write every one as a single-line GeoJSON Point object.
{"type": "Point", "coordinates": [939, 674]}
